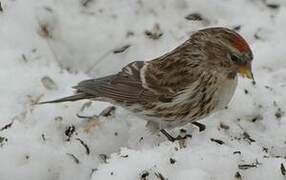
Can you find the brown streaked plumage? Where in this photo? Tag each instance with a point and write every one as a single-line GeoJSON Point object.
{"type": "Point", "coordinates": [192, 81]}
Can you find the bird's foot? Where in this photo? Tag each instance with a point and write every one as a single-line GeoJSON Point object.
{"type": "Point", "coordinates": [201, 126]}
{"type": "Point", "coordinates": [181, 138]}
{"type": "Point", "coordinates": [168, 136]}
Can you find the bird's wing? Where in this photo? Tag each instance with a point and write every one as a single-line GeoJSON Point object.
{"type": "Point", "coordinates": [156, 80]}
{"type": "Point", "coordinates": [173, 72]}
{"type": "Point", "coordinates": [160, 79]}
{"type": "Point", "coordinates": [125, 86]}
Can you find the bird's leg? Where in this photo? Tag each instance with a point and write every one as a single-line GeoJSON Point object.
{"type": "Point", "coordinates": [201, 126]}
{"type": "Point", "coordinates": [169, 137]}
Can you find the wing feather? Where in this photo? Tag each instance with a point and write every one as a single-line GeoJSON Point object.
{"type": "Point", "coordinates": [160, 79]}
{"type": "Point", "coordinates": [125, 86]}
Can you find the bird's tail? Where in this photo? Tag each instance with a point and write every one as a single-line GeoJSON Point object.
{"type": "Point", "coordinates": [75, 97]}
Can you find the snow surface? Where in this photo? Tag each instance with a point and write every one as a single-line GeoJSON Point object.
{"type": "Point", "coordinates": [47, 46]}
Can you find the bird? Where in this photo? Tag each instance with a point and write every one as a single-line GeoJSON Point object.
{"type": "Point", "coordinates": [185, 85]}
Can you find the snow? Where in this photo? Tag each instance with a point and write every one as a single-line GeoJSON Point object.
{"type": "Point", "coordinates": [47, 46]}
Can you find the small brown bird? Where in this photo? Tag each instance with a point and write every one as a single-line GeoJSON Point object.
{"type": "Point", "coordinates": [189, 83]}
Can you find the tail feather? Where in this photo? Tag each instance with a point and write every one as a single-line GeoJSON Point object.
{"type": "Point", "coordinates": [69, 98]}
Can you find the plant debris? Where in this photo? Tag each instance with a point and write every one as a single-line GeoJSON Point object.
{"type": "Point", "coordinates": [104, 158]}
{"type": "Point", "coordinates": [87, 117]}
{"type": "Point", "coordinates": [85, 3]}
{"type": "Point", "coordinates": [257, 117]}
{"type": "Point", "coordinates": [247, 166]}
{"type": "Point", "coordinates": [24, 58]}
{"type": "Point", "coordinates": [49, 83]}
{"type": "Point", "coordinates": [182, 137]}
{"type": "Point", "coordinates": [144, 175]}
{"type": "Point", "coordinates": [121, 49]}
{"type": "Point", "coordinates": [92, 171]}
{"type": "Point", "coordinates": [70, 130]}
{"type": "Point", "coordinates": [273, 6]}
{"type": "Point", "coordinates": [45, 31]}
{"type": "Point", "coordinates": [268, 87]}
{"type": "Point", "coordinates": [217, 141]}
{"type": "Point", "coordinates": [194, 17]}
{"type": "Point", "coordinates": [1, 9]}
{"type": "Point", "coordinates": [201, 126]}
{"type": "Point", "coordinates": [160, 176]}
{"type": "Point", "coordinates": [172, 161]}
{"type": "Point", "coordinates": [246, 136]}
{"type": "Point", "coordinates": [76, 160]}
{"type": "Point", "coordinates": [87, 150]}
{"type": "Point", "coordinates": [124, 156]}
{"type": "Point", "coordinates": [265, 149]}
{"type": "Point", "coordinates": [155, 33]}
{"type": "Point", "coordinates": [237, 175]}
{"type": "Point", "coordinates": [279, 113]}
{"type": "Point", "coordinates": [256, 36]}
{"type": "Point", "coordinates": [283, 170]}
{"type": "Point", "coordinates": [7, 126]}
{"type": "Point", "coordinates": [3, 140]}
{"type": "Point", "coordinates": [59, 118]}
{"type": "Point", "coordinates": [237, 28]}
{"type": "Point", "coordinates": [129, 34]}
{"type": "Point", "coordinates": [223, 126]}
{"type": "Point", "coordinates": [108, 111]}
{"type": "Point", "coordinates": [237, 152]}
{"type": "Point", "coordinates": [141, 139]}
{"type": "Point", "coordinates": [43, 137]}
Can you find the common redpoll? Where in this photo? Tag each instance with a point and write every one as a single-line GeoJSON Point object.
{"type": "Point", "coordinates": [189, 83]}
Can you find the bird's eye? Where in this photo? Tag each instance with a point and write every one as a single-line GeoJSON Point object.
{"type": "Point", "coordinates": [235, 58]}
{"type": "Point", "coordinates": [240, 60]}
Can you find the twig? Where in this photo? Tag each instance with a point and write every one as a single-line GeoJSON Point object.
{"type": "Point", "coordinates": [144, 175]}
{"type": "Point", "coordinates": [76, 160]}
{"type": "Point", "coordinates": [1, 9]}
{"type": "Point", "coordinates": [237, 175]}
{"type": "Point", "coordinates": [160, 176]}
{"type": "Point", "coordinates": [283, 170]}
{"type": "Point", "coordinates": [84, 145]}
{"type": "Point", "coordinates": [121, 49]}
{"type": "Point", "coordinates": [70, 130]}
{"type": "Point", "coordinates": [217, 141]}
{"type": "Point", "coordinates": [247, 166]}
{"type": "Point", "coordinates": [107, 111]}
{"type": "Point", "coordinates": [85, 3]}
{"type": "Point", "coordinates": [7, 126]}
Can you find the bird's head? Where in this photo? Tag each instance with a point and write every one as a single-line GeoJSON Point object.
{"type": "Point", "coordinates": [227, 51]}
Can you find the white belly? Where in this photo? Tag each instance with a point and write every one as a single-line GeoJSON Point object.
{"type": "Point", "coordinates": [225, 93]}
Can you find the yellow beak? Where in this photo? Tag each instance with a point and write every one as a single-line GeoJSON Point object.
{"type": "Point", "coordinates": [245, 71]}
